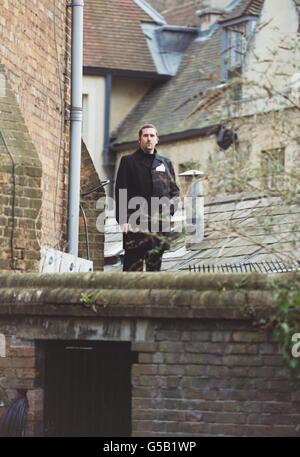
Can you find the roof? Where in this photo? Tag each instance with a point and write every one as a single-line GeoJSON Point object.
{"type": "Point", "coordinates": [171, 105]}
{"type": "Point", "coordinates": [183, 14]}
{"type": "Point", "coordinates": [186, 14]}
{"type": "Point", "coordinates": [242, 229]}
{"type": "Point", "coordinates": [129, 35]}
{"type": "Point", "coordinates": [113, 36]}
{"type": "Point", "coordinates": [245, 8]}
{"type": "Point", "coordinates": [150, 11]}
{"type": "Point", "coordinates": [239, 229]}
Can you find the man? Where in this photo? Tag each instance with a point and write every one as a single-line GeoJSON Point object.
{"type": "Point", "coordinates": [146, 181]}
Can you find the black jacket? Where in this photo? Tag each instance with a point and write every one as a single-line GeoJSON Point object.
{"type": "Point", "coordinates": [139, 174]}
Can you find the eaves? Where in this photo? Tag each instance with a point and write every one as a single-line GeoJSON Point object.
{"type": "Point", "coordinates": [102, 71]}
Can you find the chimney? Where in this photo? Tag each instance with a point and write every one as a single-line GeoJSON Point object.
{"type": "Point", "coordinates": [192, 184]}
{"type": "Point", "coordinates": [210, 12]}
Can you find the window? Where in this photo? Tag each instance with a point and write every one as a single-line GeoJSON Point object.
{"type": "Point", "coordinates": [272, 166]}
{"type": "Point", "coordinates": [235, 41]}
{"type": "Point", "coordinates": [236, 48]}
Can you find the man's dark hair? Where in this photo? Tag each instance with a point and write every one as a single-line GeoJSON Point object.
{"type": "Point", "coordinates": [146, 126]}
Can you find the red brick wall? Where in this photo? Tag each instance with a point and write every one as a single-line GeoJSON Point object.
{"type": "Point", "coordinates": [35, 51]}
{"type": "Point", "coordinates": [20, 371]}
{"type": "Point", "coordinates": [20, 189]}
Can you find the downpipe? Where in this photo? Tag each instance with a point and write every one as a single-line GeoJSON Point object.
{"type": "Point", "coordinates": [76, 126]}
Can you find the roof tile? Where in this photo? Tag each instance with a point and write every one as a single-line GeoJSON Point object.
{"type": "Point", "coordinates": [170, 104]}
{"type": "Point", "coordinates": [246, 8]}
{"type": "Point", "coordinates": [113, 37]}
{"type": "Point", "coordinates": [183, 15]}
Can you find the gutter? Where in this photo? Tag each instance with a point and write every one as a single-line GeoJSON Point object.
{"type": "Point", "coordinates": [180, 28]}
{"type": "Point", "coordinates": [76, 126]}
{"type": "Point", "coordinates": [193, 133]}
{"type": "Point", "coordinates": [103, 71]}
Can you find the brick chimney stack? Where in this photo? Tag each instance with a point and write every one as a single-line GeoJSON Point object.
{"type": "Point", "coordinates": [209, 13]}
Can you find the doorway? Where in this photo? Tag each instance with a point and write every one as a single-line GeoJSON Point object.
{"type": "Point", "coordinates": [88, 388]}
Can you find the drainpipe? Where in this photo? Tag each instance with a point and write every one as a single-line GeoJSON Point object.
{"type": "Point", "coordinates": [107, 102]}
{"type": "Point", "coordinates": [106, 156]}
{"type": "Point", "coordinates": [76, 126]}
{"type": "Point", "coordinates": [108, 164]}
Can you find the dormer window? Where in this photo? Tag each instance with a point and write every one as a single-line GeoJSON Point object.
{"type": "Point", "coordinates": [236, 36]}
{"type": "Point", "coordinates": [236, 48]}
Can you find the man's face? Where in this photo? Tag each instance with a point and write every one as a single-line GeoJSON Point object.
{"type": "Point", "coordinates": [148, 140]}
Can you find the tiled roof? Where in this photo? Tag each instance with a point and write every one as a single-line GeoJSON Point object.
{"type": "Point", "coordinates": [113, 36]}
{"type": "Point", "coordinates": [186, 14]}
{"type": "Point", "coordinates": [150, 11]}
{"type": "Point", "coordinates": [159, 5]}
{"type": "Point", "coordinates": [246, 8]}
{"type": "Point", "coordinates": [241, 229]}
{"type": "Point", "coordinates": [169, 104]}
{"type": "Point", "coordinates": [183, 14]}
{"type": "Point", "coordinates": [234, 234]}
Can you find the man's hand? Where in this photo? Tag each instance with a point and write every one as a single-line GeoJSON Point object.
{"type": "Point", "coordinates": [125, 228]}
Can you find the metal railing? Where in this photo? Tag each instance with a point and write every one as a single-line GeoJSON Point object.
{"type": "Point", "coordinates": [255, 267]}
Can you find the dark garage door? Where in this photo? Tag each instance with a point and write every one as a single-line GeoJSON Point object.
{"type": "Point", "coordinates": [88, 389]}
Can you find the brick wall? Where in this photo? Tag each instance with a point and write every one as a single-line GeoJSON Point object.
{"type": "Point", "coordinates": [20, 188]}
{"type": "Point", "coordinates": [212, 378]}
{"type": "Point", "coordinates": [203, 368]}
{"type": "Point", "coordinates": [35, 51]}
{"type": "Point", "coordinates": [19, 372]}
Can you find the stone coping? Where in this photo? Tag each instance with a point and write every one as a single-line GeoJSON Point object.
{"type": "Point", "coordinates": [137, 295]}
